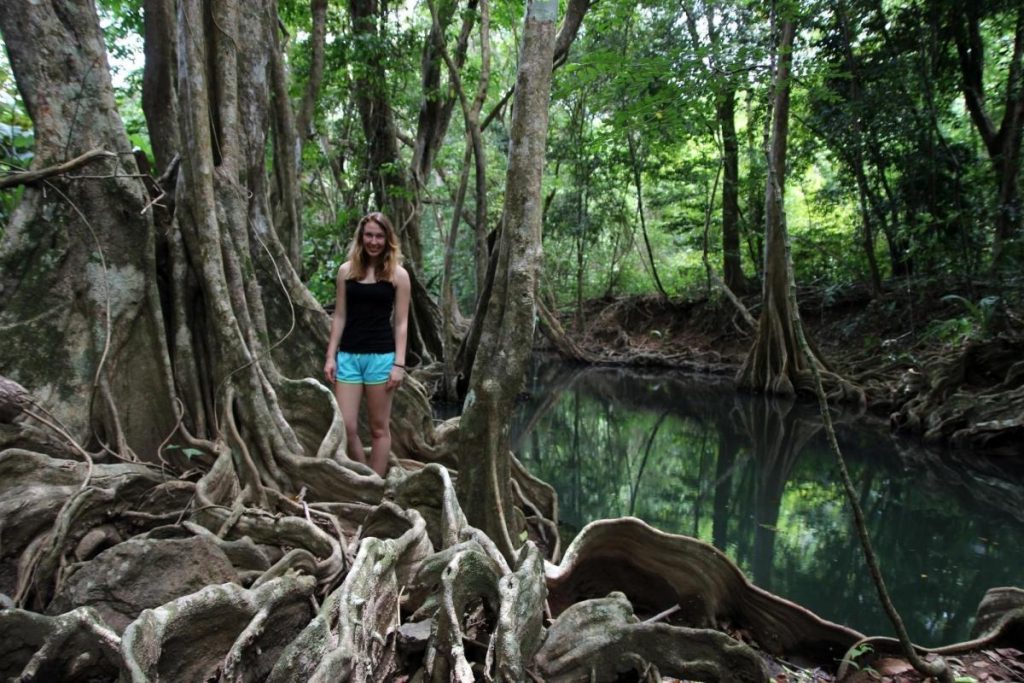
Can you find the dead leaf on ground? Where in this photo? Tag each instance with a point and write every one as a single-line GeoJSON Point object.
{"type": "Point", "coordinates": [889, 666]}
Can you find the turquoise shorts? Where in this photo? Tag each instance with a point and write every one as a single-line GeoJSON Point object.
{"type": "Point", "coordinates": [364, 368]}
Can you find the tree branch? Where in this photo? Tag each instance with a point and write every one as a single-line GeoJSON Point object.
{"type": "Point", "coordinates": [29, 177]}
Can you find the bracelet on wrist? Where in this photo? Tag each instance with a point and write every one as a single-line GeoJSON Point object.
{"type": "Point", "coordinates": [398, 366]}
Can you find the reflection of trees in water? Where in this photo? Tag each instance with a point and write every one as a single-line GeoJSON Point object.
{"type": "Point", "coordinates": [777, 430]}
{"type": "Point", "coordinates": [695, 458]}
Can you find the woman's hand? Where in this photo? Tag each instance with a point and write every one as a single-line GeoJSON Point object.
{"type": "Point", "coordinates": [330, 369]}
{"type": "Point", "coordinates": [395, 378]}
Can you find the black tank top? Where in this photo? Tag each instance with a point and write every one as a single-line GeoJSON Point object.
{"type": "Point", "coordinates": [368, 308]}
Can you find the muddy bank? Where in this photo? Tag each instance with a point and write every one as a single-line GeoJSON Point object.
{"type": "Point", "coordinates": [941, 365]}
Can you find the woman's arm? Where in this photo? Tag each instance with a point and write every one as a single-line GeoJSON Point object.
{"type": "Point", "coordinates": [337, 324]}
{"type": "Point", "coordinates": [401, 325]}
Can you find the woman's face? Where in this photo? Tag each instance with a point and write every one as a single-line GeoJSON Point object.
{"type": "Point", "coordinates": [374, 239]}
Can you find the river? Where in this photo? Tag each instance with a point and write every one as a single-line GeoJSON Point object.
{"type": "Point", "coordinates": [754, 476]}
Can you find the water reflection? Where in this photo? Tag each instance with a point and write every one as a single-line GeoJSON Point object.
{"type": "Point", "coordinates": [755, 477]}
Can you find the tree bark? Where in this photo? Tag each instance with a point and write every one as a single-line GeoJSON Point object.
{"type": "Point", "coordinates": [79, 308]}
{"type": "Point", "coordinates": [160, 80]}
{"type": "Point", "coordinates": [502, 359]}
{"type": "Point", "coordinates": [317, 40]}
{"type": "Point", "coordinates": [286, 198]}
{"type": "Point", "coordinates": [732, 264]}
{"type": "Point", "coordinates": [774, 364]}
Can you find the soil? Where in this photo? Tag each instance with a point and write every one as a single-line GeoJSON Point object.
{"type": "Point", "coordinates": [915, 342]}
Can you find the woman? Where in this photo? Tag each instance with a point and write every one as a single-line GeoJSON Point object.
{"type": "Point", "coordinates": [366, 352]}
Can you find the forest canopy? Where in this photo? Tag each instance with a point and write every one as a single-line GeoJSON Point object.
{"type": "Point", "coordinates": [904, 149]}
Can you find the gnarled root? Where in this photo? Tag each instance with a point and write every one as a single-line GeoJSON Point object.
{"type": "Point", "coordinates": [973, 400]}
{"type": "Point", "coordinates": [520, 626]}
{"type": "Point", "coordinates": [1000, 610]}
{"type": "Point", "coordinates": [469, 580]}
{"type": "Point", "coordinates": [657, 571]}
{"type": "Point", "coordinates": [352, 637]}
{"type": "Point", "coordinates": [48, 506]}
{"type": "Point", "coordinates": [224, 629]}
{"type": "Point", "coordinates": [142, 573]}
{"type": "Point", "coordinates": [596, 640]}
{"type": "Point", "coordinates": [77, 646]}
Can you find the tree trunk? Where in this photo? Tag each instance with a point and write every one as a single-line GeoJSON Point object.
{"type": "Point", "coordinates": [1003, 144]}
{"type": "Point", "coordinates": [725, 115]}
{"type": "Point", "coordinates": [635, 164]}
{"type": "Point", "coordinates": [486, 253]}
{"type": "Point", "coordinates": [506, 340]}
{"type": "Point", "coordinates": [754, 195]}
{"type": "Point", "coordinates": [394, 186]}
{"type": "Point", "coordinates": [160, 81]}
{"type": "Point", "coordinates": [774, 364]}
{"type": "Point", "coordinates": [79, 308]}
{"type": "Point", "coordinates": [732, 265]}
{"type": "Point", "coordinates": [286, 198]}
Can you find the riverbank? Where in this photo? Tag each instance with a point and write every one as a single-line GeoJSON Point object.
{"type": "Point", "coordinates": [938, 363]}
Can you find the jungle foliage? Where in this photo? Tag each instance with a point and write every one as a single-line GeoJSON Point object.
{"type": "Point", "coordinates": [894, 172]}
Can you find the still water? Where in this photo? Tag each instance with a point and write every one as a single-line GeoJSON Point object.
{"type": "Point", "coordinates": [755, 477]}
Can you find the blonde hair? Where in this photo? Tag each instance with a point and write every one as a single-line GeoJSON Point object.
{"type": "Point", "coordinates": [390, 259]}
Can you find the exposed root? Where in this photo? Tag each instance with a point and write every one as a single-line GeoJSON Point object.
{"type": "Point", "coordinates": [599, 639]}
{"type": "Point", "coordinates": [408, 587]}
{"type": "Point", "coordinates": [656, 570]}
{"type": "Point", "coordinates": [973, 399]}
{"type": "Point", "coordinates": [76, 646]}
{"type": "Point", "coordinates": [44, 514]}
{"type": "Point", "coordinates": [221, 628]}
{"type": "Point", "coordinates": [520, 627]}
{"type": "Point", "coordinates": [470, 577]}
{"type": "Point", "coordinates": [141, 573]}
{"type": "Point", "coordinates": [351, 639]}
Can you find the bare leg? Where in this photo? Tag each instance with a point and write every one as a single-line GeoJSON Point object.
{"type": "Point", "coordinates": [378, 407]}
{"type": "Point", "coordinates": [349, 396]}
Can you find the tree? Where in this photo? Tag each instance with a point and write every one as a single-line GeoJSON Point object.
{"type": "Point", "coordinates": [774, 363]}
{"type": "Point", "coordinates": [720, 75]}
{"type": "Point", "coordinates": [136, 340]}
{"type": "Point", "coordinates": [80, 309]}
{"type": "Point", "coordinates": [506, 339]}
{"type": "Point", "coordinates": [1003, 144]}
